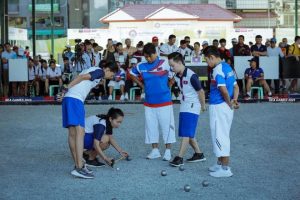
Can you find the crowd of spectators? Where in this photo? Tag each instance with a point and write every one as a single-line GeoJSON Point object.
{"type": "Point", "coordinates": [43, 73]}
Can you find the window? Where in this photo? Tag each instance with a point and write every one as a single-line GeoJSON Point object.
{"type": "Point", "coordinates": [289, 20]}
{"type": "Point", "coordinates": [47, 1]}
{"type": "Point", "coordinates": [17, 22]}
{"type": "Point", "coordinates": [45, 6]}
{"type": "Point", "coordinates": [45, 22]}
{"type": "Point", "coordinates": [13, 6]}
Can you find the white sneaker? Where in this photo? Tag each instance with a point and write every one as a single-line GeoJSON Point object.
{"type": "Point", "coordinates": [126, 96]}
{"type": "Point", "coordinates": [81, 173]}
{"type": "Point", "coordinates": [154, 154]}
{"type": "Point", "coordinates": [142, 96]}
{"type": "Point", "coordinates": [270, 94]}
{"type": "Point", "coordinates": [122, 98]}
{"type": "Point", "coordinates": [221, 173]}
{"type": "Point", "coordinates": [214, 168]}
{"type": "Point", "coordinates": [167, 155]}
{"type": "Point", "coordinates": [110, 97]}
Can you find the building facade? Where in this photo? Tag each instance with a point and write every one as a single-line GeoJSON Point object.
{"type": "Point", "coordinates": [20, 16]}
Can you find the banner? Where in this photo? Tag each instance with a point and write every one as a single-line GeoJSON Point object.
{"type": "Point", "coordinates": [250, 34]}
{"type": "Point", "coordinates": [17, 34]}
{"type": "Point", "coordinates": [18, 70]}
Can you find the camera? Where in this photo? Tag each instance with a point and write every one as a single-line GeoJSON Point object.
{"type": "Point", "coordinates": [78, 53]}
{"type": "Point", "coordinates": [78, 40]}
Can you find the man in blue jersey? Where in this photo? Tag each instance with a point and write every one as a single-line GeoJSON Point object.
{"type": "Point", "coordinates": [158, 104]}
{"type": "Point", "coordinates": [255, 76]}
{"type": "Point", "coordinates": [223, 99]}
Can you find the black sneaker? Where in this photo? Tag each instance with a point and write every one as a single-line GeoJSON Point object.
{"type": "Point", "coordinates": [177, 161]}
{"type": "Point", "coordinates": [94, 163]}
{"type": "Point", "coordinates": [85, 156]}
{"type": "Point", "coordinates": [197, 157]}
{"type": "Point", "coordinates": [247, 97]}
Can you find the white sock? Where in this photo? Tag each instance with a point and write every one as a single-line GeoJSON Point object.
{"type": "Point", "coordinates": [249, 93]}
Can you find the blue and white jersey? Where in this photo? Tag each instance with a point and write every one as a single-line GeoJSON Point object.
{"type": "Point", "coordinates": [221, 75]}
{"type": "Point", "coordinates": [254, 73]}
{"type": "Point", "coordinates": [155, 76]}
{"type": "Point", "coordinates": [189, 86]}
{"type": "Point", "coordinates": [82, 89]}
{"type": "Point", "coordinates": [120, 75]}
{"type": "Point", "coordinates": [96, 126]}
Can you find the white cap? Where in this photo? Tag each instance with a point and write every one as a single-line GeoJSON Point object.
{"type": "Point", "coordinates": [115, 41]}
{"type": "Point", "coordinates": [133, 61]}
{"type": "Point", "coordinates": [68, 46]}
{"type": "Point", "coordinates": [204, 42]}
{"type": "Point", "coordinates": [234, 40]}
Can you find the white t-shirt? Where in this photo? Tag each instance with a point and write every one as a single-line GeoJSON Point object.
{"type": "Point", "coordinates": [38, 66]}
{"type": "Point", "coordinates": [196, 54]}
{"type": "Point", "coordinates": [121, 58]}
{"type": "Point", "coordinates": [157, 50]}
{"type": "Point", "coordinates": [167, 49]}
{"type": "Point", "coordinates": [184, 52]}
{"type": "Point", "coordinates": [54, 73]}
{"type": "Point", "coordinates": [276, 51]}
{"type": "Point", "coordinates": [43, 73]}
{"type": "Point", "coordinates": [91, 121]}
{"type": "Point", "coordinates": [82, 89]}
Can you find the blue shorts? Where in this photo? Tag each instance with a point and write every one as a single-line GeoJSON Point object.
{"type": "Point", "coordinates": [187, 124]}
{"type": "Point", "coordinates": [73, 112]}
{"type": "Point", "coordinates": [88, 141]}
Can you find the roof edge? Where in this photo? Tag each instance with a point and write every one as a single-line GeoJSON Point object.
{"type": "Point", "coordinates": [102, 19]}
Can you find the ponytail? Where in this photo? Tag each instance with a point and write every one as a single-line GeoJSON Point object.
{"type": "Point", "coordinates": [112, 113]}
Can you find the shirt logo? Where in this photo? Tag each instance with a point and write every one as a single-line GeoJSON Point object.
{"type": "Point", "coordinates": [185, 82]}
{"type": "Point", "coordinates": [229, 74]}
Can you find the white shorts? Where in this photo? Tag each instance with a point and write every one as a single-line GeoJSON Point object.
{"type": "Point", "coordinates": [115, 84]}
{"type": "Point", "coordinates": [220, 117]}
{"type": "Point", "coordinates": [156, 119]}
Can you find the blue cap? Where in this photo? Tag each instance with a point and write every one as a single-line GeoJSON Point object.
{"type": "Point", "coordinates": [273, 40]}
{"type": "Point", "coordinates": [255, 59]}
